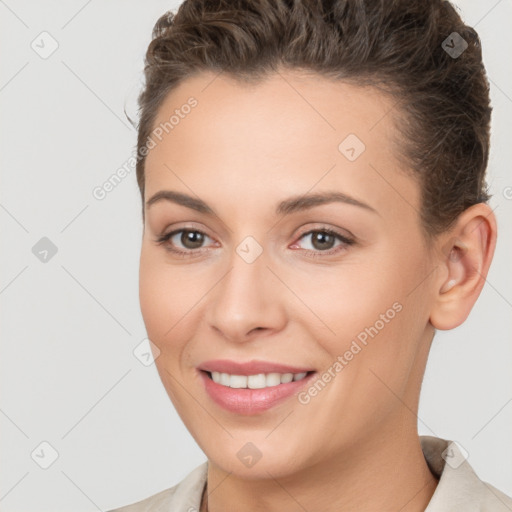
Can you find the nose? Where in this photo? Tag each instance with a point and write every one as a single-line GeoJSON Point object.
{"type": "Point", "coordinates": [247, 300]}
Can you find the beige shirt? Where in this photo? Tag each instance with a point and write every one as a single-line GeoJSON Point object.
{"type": "Point", "coordinates": [459, 489]}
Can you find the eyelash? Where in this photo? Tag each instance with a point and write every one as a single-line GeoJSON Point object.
{"type": "Point", "coordinates": [163, 239]}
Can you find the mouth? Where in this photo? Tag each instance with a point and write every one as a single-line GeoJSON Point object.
{"type": "Point", "coordinates": [252, 388]}
{"type": "Point", "coordinates": [257, 381]}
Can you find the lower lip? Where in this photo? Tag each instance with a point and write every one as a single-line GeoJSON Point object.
{"type": "Point", "coordinates": [251, 401]}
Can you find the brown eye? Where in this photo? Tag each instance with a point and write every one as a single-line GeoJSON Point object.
{"type": "Point", "coordinates": [191, 239]}
{"type": "Point", "coordinates": [322, 240]}
{"type": "Point", "coordinates": [183, 241]}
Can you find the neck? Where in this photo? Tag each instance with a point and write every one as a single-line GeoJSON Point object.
{"type": "Point", "coordinates": [388, 472]}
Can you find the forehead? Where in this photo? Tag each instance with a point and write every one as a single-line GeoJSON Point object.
{"type": "Point", "coordinates": [286, 135]}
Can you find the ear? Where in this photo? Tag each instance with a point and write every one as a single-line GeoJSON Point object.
{"type": "Point", "coordinates": [465, 256]}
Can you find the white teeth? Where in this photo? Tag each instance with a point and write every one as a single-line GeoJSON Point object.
{"type": "Point", "coordinates": [238, 381]}
{"type": "Point", "coordinates": [258, 381]}
{"type": "Point", "coordinates": [273, 379]}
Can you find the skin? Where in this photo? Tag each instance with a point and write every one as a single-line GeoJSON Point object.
{"type": "Point", "coordinates": [243, 149]}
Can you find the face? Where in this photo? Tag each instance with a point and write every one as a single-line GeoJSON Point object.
{"type": "Point", "coordinates": [251, 283]}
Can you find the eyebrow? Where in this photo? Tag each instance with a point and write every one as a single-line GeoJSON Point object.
{"type": "Point", "coordinates": [286, 207]}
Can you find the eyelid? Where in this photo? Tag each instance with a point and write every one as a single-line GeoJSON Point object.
{"type": "Point", "coordinates": [346, 240]}
{"type": "Point", "coordinates": [185, 227]}
{"type": "Point", "coordinates": [166, 236]}
{"type": "Point", "coordinates": [342, 233]}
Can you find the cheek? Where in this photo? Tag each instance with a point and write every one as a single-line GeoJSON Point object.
{"type": "Point", "coordinates": [369, 317]}
{"type": "Point", "coordinates": [161, 296]}
{"type": "Point", "coordinates": [170, 298]}
{"type": "Point", "coordinates": [350, 298]}
{"type": "Point", "coordinates": [153, 300]}
{"type": "Point", "coordinates": [166, 292]}
{"type": "Point", "coordinates": [371, 357]}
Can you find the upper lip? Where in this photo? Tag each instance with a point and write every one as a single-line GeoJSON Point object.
{"type": "Point", "coordinates": [249, 368]}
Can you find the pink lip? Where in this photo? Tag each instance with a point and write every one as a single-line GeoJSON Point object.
{"type": "Point", "coordinates": [249, 368]}
{"type": "Point", "coordinates": [250, 401]}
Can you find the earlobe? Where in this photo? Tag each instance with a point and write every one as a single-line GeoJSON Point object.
{"type": "Point", "coordinates": [464, 263]}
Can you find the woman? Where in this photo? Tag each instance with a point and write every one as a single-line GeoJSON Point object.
{"type": "Point", "coordinates": [314, 205]}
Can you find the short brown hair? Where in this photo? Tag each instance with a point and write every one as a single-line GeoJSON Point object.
{"type": "Point", "coordinates": [396, 45]}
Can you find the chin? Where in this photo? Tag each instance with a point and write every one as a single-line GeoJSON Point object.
{"type": "Point", "coordinates": [254, 460]}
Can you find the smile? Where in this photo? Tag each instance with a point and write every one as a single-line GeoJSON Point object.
{"type": "Point", "coordinates": [252, 387]}
{"type": "Point", "coordinates": [258, 381]}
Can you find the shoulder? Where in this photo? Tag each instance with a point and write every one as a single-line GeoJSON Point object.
{"type": "Point", "coordinates": [159, 501]}
{"type": "Point", "coordinates": [496, 500]}
{"type": "Point", "coordinates": [183, 497]}
{"type": "Point", "coordinates": [459, 488]}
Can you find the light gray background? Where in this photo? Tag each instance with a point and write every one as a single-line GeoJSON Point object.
{"type": "Point", "coordinates": [69, 326]}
